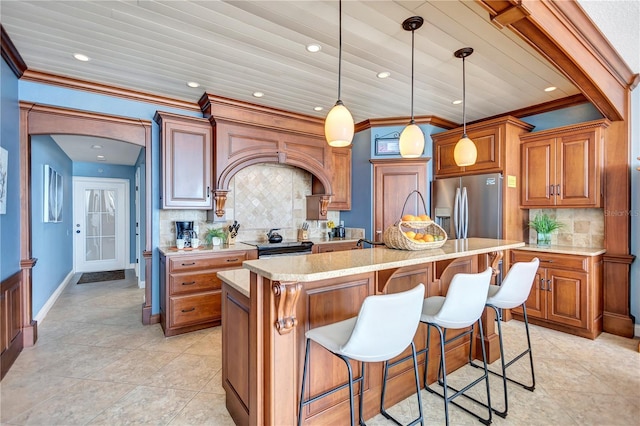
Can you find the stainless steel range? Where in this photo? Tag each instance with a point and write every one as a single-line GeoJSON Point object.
{"type": "Point", "coordinates": [284, 248]}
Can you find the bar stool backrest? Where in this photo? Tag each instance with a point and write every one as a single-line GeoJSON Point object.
{"type": "Point", "coordinates": [516, 286]}
{"type": "Point", "coordinates": [465, 300]}
{"type": "Point", "coordinates": [385, 326]}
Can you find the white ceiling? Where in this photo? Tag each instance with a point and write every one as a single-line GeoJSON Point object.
{"type": "Point", "coordinates": [234, 48]}
{"type": "Point", "coordinates": [88, 148]}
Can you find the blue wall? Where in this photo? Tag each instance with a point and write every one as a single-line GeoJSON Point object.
{"type": "Point", "coordinates": [51, 243]}
{"type": "Point", "coordinates": [69, 98]}
{"type": "Point", "coordinates": [563, 117]}
{"type": "Point", "coordinates": [100, 170]}
{"type": "Point", "coordinates": [10, 141]}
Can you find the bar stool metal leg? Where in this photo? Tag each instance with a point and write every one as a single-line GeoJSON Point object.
{"type": "Point", "coordinates": [383, 411]}
{"type": "Point", "coordinates": [504, 364]}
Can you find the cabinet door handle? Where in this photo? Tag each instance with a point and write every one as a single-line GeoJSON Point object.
{"type": "Point", "coordinates": [551, 188]}
{"type": "Point", "coordinates": [232, 260]}
{"type": "Point", "coordinates": [189, 283]}
{"type": "Point", "coordinates": [548, 285]}
{"type": "Point", "coordinates": [558, 189]}
{"type": "Point", "coordinates": [189, 310]}
{"type": "Point", "coordinates": [328, 251]}
{"type": "Point", "coordinates": [542, 284]}
{"type": "Point", "coordinates": [208, 192]}
{"type": "Point", "coordinates": [189, 264]}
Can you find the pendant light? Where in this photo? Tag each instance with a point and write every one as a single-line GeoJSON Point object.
{"type": "Point", "coordinates": [339, 126]}
{"type": "Point", "coordinates": [412, 138]}
{"type": "Point", "coordinates": [465, 152]}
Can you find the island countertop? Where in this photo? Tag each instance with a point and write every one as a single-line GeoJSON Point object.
{"type": "Point", "coordinates": [329, 265]}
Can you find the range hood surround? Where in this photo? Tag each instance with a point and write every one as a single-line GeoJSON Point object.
{"type": "Point", "coordinates": [246, 134]}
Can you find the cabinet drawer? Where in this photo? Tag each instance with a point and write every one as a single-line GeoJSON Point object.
{"type": "Point", "coordinates": [190, 263]}
{"type": "Point", "coordinates": [552, 260]}
{"type": "Point", "coordinates": [327, 248]}
{"type": "Point", "coordinates": [200, 308]}
{"type": "Point", "coordinates": [194, 282]}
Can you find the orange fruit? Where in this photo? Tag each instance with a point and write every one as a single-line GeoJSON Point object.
{"type": "Point", "coordinates": [410, 234]}
{"type": "Point", "coordinates": [424, 217]}
{"type": "Point", "coordinates": [429, 238]}
{"type": "Point", "coordinates": [419, 236]}
{"type": "Point", "coordinates": [408, 217]}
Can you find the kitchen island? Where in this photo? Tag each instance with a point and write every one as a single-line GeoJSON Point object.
{"type": "Point", "coordinates": [270, 304]}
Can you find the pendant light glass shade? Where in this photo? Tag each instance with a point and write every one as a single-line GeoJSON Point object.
{"type": "Point", "coordinates": [465, 152]}
{"type": "Point", "coordinates": [412, 138]}
{"type": "Point", "coordinates": [339, 126]}
{"type": "Point", "coordinates": [411, 141]}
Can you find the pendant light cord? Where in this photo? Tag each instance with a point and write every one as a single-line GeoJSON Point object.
{"type": "Point", "coordinates": [340, 50]}
{"type": "Point", "coordinates": [412, 53]}
{"type": "Point", "coordinates": [464, 101]}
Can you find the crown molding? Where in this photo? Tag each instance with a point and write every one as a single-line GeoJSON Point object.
{"type": "Point", "coordinates": [401, 121]}
{"type": "Point", "coordinates": [107, 90]}
{"type": "Point", "coordinates": [11, 55]}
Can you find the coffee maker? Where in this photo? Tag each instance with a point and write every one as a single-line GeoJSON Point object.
{"type": "Point", "coordinates": [184, 230]}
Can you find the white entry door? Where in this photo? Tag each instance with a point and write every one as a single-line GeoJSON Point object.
{"type": "Point", "coordinates": [100, 218]}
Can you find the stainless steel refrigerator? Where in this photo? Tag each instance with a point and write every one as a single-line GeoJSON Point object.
{"type": "Point", "coordinates": [469, 206]}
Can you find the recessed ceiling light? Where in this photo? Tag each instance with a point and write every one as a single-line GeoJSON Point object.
{"type": "Point", "coordinates": [383, 74]}
{"type": "Point", "coordinates": [313, 48]}
{"type": "Point", "coordinates": [457, 102]}
{"type": "Point", "coordinates": [258, 94]}
{"type": "Point", "coordinates": [81, 57]}
{"type": "Point", "coordinates": [318, 108]}
{"type": "Point", "coordinates": [100, 158]}
{"type": "Point", "coordinates": [96, 146]}
{"type": "Point", "coordinates": [193, 84]}
{"type": "Point", "coordinates": [550, 88]}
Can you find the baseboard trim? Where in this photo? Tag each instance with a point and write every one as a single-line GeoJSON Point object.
{"type": "Point", "coordinates": [47, 306]}
{"type": "Point", "coordinates": [142, 284]}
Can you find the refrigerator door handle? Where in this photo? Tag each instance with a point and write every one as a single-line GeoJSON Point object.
{"type": "Point", "coordinates": [456, 213]}
{"type": "Point", "coordinates": [464, 213]}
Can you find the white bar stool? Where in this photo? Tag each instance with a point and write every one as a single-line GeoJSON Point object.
{"type": "Point", "coordinates": [513, 292]}
{"type": "Point", "coordinates": [383, 329]}
{"type": "Point", "coordinates": [461, 308]}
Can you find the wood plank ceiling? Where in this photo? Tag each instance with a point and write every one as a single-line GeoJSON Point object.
{"type": "Point", "coordinates": [234, 48]}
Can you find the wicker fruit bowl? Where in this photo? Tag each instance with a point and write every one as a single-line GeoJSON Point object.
{"type": "Point", "coordinates": [414, 232]}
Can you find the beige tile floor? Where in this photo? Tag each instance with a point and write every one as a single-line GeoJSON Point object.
{"type": "Point", "coordinates": [94, 363]}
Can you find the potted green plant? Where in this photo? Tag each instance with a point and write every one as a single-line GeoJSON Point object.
{"type": "Point", "coordinates": [214, 236]}
{"type": "Point", "coordinates": [544, 225]}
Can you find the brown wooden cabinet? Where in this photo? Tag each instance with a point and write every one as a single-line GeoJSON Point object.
{"type": "Point", "coordinates": [335, 246]}
{"type": "Point", "coordinates": [566, 293]}
{"type": "Point", "coordinates": [393, 181]}
{"type": "Point", "coordinates": [562, 167]}
{"type": "Point", "coordinates": [187, 172]}
{"type": "Point", "coordinates": [190, 289]}
{"type": "Point", "coordinates": [340, 179]}
{"type": "Point", "coordinates": [494, 140]}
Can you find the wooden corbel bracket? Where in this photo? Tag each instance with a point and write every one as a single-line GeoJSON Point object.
{"type": "Point", "coordinates": [220, 198]}
{"type": "Point", "coordinates": [495, 257]}
{"type": "Point", "coordinates": [286, 295]}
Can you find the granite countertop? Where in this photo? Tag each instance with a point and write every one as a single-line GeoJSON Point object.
{"type": "Point", "coordinates": [173, 251]}
{"type": "Point", "coordinates": [236, 278]}
{"type": "Point", "coordinates": [581, 251]}
{"type": "Point", "coordinates": [334, 264]}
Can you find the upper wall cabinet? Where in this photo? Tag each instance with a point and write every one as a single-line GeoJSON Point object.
{"type": "Point", "coordinates": [562, 167]}
{"type": "Point", "coordinates": [493, 139]}
{"type": "Point", "coordinates": [340, 178]}
{"type": "Point", "coordinates": [186, 152]}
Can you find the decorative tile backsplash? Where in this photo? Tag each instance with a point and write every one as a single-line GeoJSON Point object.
{"type": "Point", "coordinates": [261, 197]}
{"type": "Point", "coordinates": [581, 227]}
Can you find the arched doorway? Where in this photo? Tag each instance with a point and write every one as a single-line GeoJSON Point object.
{"type": "Point", "coordinates": [46, 120]}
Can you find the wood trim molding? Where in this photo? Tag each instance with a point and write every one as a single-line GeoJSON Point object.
{"type": "Point", "coordinates": [106, 90]}
{"type": "Point", "coordinates": [401, 121]}
{"type": "Point", "coordinates": [286, 296]}
{"type": "Point", "coordinates": [11, 344]}
{"type": "Point", "coordinates": [11, 55]}
{"type": "Point", "coordinates": [147, 255]}
{"type": "Point", "coordinates": [554, 105]}
{"type": "Point", "coordinates": [510, 15]}
{"type": "Point", "coordinates": [217, 108]}
{"type": "Point", "coordinates": [563, 34]}
{"type": "Point", "coordinates": [603, 123]}
{"type": "Point", "coordinates": [44, 119]}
